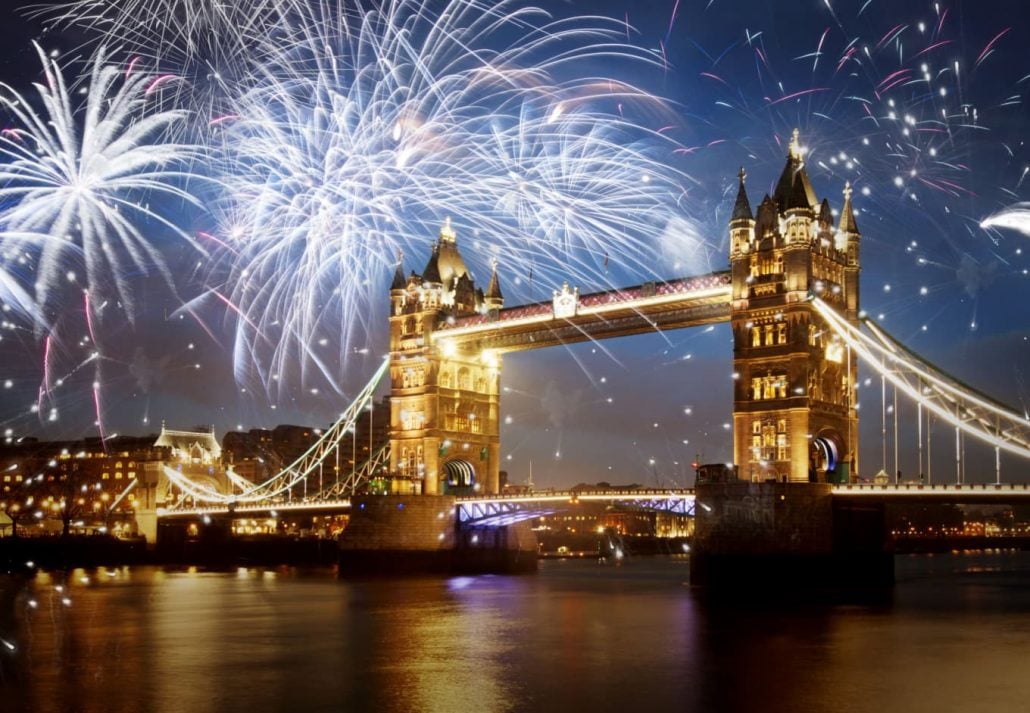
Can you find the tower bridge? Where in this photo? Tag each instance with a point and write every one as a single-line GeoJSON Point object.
{"type": "Point", "coordinates": [794, 403]}
{"type": "Point", "coordinates": [792, 298]}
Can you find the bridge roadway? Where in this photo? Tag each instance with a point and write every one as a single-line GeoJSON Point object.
{"type": "Point", "coordinates": [498, 510]}
{"type": "Point", "coordinates": [650, 307]}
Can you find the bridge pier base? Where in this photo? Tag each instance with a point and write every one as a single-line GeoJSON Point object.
{"type": "Point", "coordinates": [395, 534]}
{"type": "Point", "coordinates": [754, 538]}
{"type": "Point", "coordinates": [146, 525]}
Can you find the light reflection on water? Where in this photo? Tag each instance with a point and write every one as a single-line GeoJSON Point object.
{"type": "Point", "coordinates": [955, 634]}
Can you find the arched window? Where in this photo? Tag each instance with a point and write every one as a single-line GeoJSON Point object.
{"type": "Point", "coordinates": [464, 378]}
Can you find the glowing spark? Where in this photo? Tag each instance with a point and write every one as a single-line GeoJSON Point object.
{"type": "Point", "coordinates": [1016, 217]}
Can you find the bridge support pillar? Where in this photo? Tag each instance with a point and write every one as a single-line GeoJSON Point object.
{"type": "Point", "coordinates": [146, 525]}
{"type": "Point", "coordinates": [754, 538]}
{"type": "Point", "coordinates": [394, 534]}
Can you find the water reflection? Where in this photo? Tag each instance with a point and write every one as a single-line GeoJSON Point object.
{"type": "Point", "coordinates": [575, 637]}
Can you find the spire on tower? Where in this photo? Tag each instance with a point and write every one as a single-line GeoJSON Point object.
{"type": "Point", "coordinates": [493, 291]}
{"type": "Point", "coordinates": [795, 145]}
{"type": "Point", "coordinates": [399, 281]}
{"type": "Point", "coordinates": [447, 231]}
{"type": "Point", "coordinates": [794, 172]}
{"type": "Point", "coordinates": [742, 208]}
{"type": "Point", "coordinates": [847, 213]}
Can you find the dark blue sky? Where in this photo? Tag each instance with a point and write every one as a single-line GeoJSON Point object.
{"type": "Point", "coordinates": [953, 292]}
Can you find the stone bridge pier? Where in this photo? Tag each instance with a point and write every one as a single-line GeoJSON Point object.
{"type": "Point", "coordinates": [758, 537]}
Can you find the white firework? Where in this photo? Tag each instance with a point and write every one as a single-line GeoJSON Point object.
{"type": "Point", "coordinates": [76, 182]}
{"type": "Point", "coordinates": [1015, 217]}
{"type": "Point", "coordinates": [374, 124]}
{"type": "Point", "coordinates": [213, 45]}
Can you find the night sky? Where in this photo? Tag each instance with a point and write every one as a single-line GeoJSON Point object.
{"type": "Point", "coordinates": [738, 78]}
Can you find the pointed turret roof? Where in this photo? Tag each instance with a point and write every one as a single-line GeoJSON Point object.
{"type": "Point", "coordinates": [799, 195]}
{"type": "Point", "coordinates": [793, 173]}
{"type": "Point", "coordinates": [742, 208]}
{"type": "Point", "coordinates": [450, 264]}
{"type": "Point", "coordinates": [765, 218]}
{"type": "Point", "coordinates": [825, 214]}
{"type": "Point", "coordinates": [432, 271]}
{"type": "Point", "coordinates": [847, 213]}
{"type": "Point", "coordinates": [493, 291]}
{"type": "Point", "coordinates": [399, 281]}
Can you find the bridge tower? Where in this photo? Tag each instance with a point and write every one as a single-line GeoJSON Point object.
{"type": "Point", "coordinates": [794, 412]}
{"type": "Point", "coordinates": [444, 402]}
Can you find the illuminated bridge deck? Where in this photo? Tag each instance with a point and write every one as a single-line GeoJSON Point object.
{"type": "Point", "coordinates": [258, 509]}
{"type": "Point", "coordinates": [649, 307]}
{"type": "Point", "coordinates": [970, 493]}
{"type": "Point", "coordinates": [496, 511]}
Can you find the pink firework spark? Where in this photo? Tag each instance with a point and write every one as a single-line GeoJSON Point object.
{"type": "Point", "coordinates": [795, 95]}
{"type": "Point", "coordinates": [819, 48]}
{"type": "Point", "coordinates": [934, 46]}
{"type": "Point", "coordinates": [212, 238]}
{"type": "Point", "coordinates": [89, 316]}
{"type": "Point", "coordinates": [891, 34]}
{"type": "Point", "coordinates": [157, 83]}
{"type": "Point", "coordinates": [990, 46]}
{"type": "Point", "coordinates": [672, 18]}
{"type": "Point", "coordinates": [715, 77]}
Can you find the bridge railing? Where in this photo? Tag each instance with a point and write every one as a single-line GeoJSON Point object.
{"type": "Point", "coordinates": [498, 510]}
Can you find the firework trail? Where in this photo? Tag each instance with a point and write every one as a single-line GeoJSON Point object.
{"type": "Point", "coordinates": [916, 112]}
{"type": "Point", "coordinates": [212, 44]}
{"type": "Point", "coordinates": [375, 123]}
{"type": "Point", "coordinates": [73, 182]}
{"type": "Point", "coordinates": [1016, 217]}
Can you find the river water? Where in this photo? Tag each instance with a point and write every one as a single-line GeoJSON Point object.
{"type": "Point", "coordinates": [954, 635]}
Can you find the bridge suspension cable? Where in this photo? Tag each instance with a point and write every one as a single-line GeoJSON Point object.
{"type": "Point", "coordinates": [969, 411]}
{"type": "Point", "coordinates": [300, 469]}
{"type": "Point", "coordinates": [357, 478]}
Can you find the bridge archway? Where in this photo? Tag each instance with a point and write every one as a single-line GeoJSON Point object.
{"type": "Point", "coordinates": [459, 477]}
{"type": "Point", "coordinates": [828, 456]}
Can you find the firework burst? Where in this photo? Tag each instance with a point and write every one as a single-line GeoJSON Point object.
{"type": "Point", "coordinates": [212, 45]}
{"type": "Point", "coordinates": [376, 123]}
{"type": "Point", "coordinates": [74, 183]}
